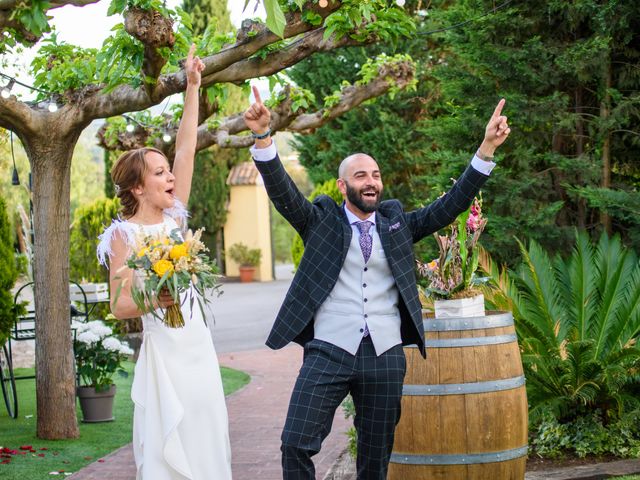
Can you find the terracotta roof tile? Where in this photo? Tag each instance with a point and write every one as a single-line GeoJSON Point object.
{"type": "Point", "coordinates": [245, 173]}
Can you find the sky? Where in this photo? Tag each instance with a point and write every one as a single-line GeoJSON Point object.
{"type": "Point", "coordinates": [89, 26]}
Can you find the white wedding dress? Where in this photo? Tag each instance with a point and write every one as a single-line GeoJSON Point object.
{"type": "Point", "coordinates": [180, 425]}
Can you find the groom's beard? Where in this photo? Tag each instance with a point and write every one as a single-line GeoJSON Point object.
{"type": "Point", "coordinates": [366, 204]}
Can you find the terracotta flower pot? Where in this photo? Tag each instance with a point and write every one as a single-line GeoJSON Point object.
{"type": "Point", "coordinates": [96, 406]}
{"type": "Point", "coordinates": [246, 274]}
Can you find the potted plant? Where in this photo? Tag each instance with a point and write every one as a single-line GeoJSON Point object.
{"type": "Point", "coordinates": [246, 258]}
{"type": "Point", "coordinates": [453, 283]}
{"type": "Point", "coordinates": [99, 355]}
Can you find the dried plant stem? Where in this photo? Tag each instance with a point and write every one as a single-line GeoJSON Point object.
{"type": "Point", "coordinates": [173, 317]}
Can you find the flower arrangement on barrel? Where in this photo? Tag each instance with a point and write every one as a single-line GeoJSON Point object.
{"type": "Point", "coordinates": [175, 264]}
{"type": "Point", "coordinates": [453, 275]}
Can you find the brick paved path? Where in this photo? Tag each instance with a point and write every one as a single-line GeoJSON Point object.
{"type": "Point", "coordinates": [256, 416]}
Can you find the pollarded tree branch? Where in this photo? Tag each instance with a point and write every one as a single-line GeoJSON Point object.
{"type": "Point", "coordinates": [226, 133]}
{"type": "Point", "coordinates": [16, 115]}
{"type": "Point", "coordinates": [251, 37]}
{"type": "Point", "coordinates": [283, 118]}
{"type": "Point", "coordinates": [277, 61]}
{"type": "Point", "coordinates": [126, 99]}
{"type": "Point", "coordinates": [154, 31]}
{"type": "Point", "coordinates": [92, 103]}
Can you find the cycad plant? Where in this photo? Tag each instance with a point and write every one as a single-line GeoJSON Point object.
{"type": "Point", "coordinates": [578, 322]}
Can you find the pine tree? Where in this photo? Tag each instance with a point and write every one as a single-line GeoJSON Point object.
{"type": "Point", "coordinates": [569, 74]}
{"type": "Point", "coordinates": [209, 192]}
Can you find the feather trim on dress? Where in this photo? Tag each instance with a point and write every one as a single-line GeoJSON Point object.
{"type": "Point", "coordinates": [104, 250]}
{"type": "Point", "coordinates": [178, 212]}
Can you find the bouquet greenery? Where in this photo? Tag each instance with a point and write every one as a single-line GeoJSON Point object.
{"type": "Point", "coordinates": [453, 273]}
{"type": "Point", "coordinates": [98, 354]}
{"type": "Point", "coordinates": [174, 263]}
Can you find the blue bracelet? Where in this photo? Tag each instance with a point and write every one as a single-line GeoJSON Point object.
{"type": "Point", "coordinates": [261, 137]}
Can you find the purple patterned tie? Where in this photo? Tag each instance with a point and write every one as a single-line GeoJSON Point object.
{"type": "Point", "coordinates": [365, 245]}
{"type": "Point", "coordinates": [365, 239]}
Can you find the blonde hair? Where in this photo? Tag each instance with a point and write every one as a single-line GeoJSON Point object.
{"type": "Point", "coordinates": [128, 173]}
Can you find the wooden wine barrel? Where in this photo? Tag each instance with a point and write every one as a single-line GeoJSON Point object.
{"type": "Point", "coordinates": [464, 408]}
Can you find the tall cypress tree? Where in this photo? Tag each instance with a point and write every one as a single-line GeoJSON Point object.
{"type": "Point", "coordinates": [209, 192]}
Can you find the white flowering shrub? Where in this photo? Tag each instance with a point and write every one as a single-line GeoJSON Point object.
{"type": "Point", "coordinates": [99, 355]}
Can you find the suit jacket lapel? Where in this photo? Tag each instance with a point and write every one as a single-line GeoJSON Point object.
{"type": "Point", "coordinates": [382, 225]}
{"type": "Point", "coordinates": [347, 233]}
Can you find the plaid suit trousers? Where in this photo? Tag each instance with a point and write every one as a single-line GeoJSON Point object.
{"type": "Point", "coordinates": [327, 375]}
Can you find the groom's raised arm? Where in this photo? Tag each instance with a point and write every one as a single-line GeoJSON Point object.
{"type": "Point", "coordinates": [444, 210]}
{"type": "Point", "coordinates": [281, 189]}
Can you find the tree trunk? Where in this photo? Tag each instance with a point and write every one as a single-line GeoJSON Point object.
{"type": "Point", "coordinates": [605, 111]}
{"type": "Point", "coordinates": [50, 157]}
{"type": "Point", "coordinates": [563, 218]}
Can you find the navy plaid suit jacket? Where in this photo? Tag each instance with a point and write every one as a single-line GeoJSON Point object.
{"type": "Point", "coordinates": [326, 234]}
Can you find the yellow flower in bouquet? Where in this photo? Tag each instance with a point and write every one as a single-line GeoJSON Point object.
{"type": "Point", "coordinates": [161, 267]}
{"type": "Point", "coordinates": [178, 251]}
{"type": "Point", "coordinates": [176, 264]}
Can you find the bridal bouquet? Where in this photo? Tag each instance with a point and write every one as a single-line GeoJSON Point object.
{"type": "Point", "coordinates": [453, 273]}
{"type": "Point", "coordinates": [172, 263]}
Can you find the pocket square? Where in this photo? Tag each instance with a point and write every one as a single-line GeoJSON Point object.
{"type": "Point", "coordinates": [395, 226]}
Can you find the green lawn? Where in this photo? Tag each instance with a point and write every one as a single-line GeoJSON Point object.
{"type": "Point", "coordinates": [96, 440]}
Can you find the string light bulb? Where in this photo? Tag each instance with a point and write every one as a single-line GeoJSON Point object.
{"type": "Point", "coordinates": [166, 138]}
{"type": "Point", "coordinates": [400, 3]}
{"type": "Point", "coordinates": [52, 107]}
{"type": "Point", "coordinates": [130, 127]}
{"type": "Point", "coordinates": [6, 91]}
{"type": "Point", "coordinates": [15, 179]}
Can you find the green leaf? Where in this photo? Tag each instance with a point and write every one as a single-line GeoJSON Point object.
{"type": "Point", "coordinates": [116, 6]}
{"type": "Point", "coordinates": [275, 18]}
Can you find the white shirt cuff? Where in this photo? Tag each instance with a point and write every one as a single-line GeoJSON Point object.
{"type": "Point", "coordinates": [264, 154]}
{"type": "Point", "coordinates": [482, 166]}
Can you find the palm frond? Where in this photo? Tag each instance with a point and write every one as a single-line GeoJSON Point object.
{"type": "Point", "coordinates": [583, 284]}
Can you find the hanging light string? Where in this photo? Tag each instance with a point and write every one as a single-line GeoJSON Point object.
{"type": "Point", "coordinates": [466, 22]}
{"type": "Point", "coordinates": [6, 91]}
{"type": "Point", "coordinates": [166, 136]}
{"type": "Point", "coordinates": [30, 87]}
{"type": "Point", "coordinates": [52, 107]}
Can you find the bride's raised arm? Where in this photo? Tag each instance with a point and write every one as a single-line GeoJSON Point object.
{"type": "Point", "coordinates": [187, 136]}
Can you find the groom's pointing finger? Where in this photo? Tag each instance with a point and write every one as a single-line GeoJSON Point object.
{"type": "Point", "coordinates": [498, 110]}
{"type": "Point", "coordinates": [256, 95]}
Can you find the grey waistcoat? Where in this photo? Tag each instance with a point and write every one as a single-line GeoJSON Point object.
{"type": "Point", "coordinates": [363, 295]}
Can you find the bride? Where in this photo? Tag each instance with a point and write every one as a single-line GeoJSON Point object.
{"type": "Point", "coordinates": [180, 426]}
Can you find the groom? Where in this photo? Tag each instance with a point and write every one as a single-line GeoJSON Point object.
{"type": "Point", "coordinates": [353, 302]}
